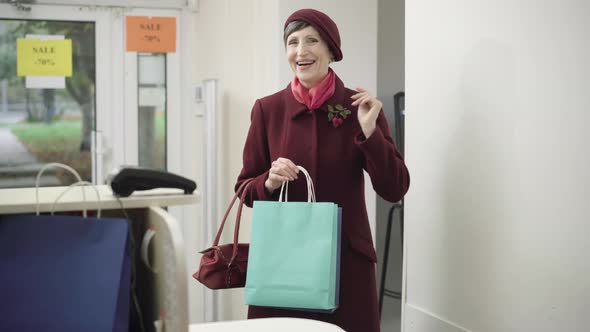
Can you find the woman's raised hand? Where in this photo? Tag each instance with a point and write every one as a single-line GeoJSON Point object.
{"type": "Point", "coordinates": [368, 110]}
{"type": "Point", "coordinates": [281, 170]}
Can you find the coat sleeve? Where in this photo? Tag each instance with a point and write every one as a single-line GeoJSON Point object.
{"type": "Point", "coordinates": [256, 159]}
{"type": "Point", "coordinates": [385, 165]}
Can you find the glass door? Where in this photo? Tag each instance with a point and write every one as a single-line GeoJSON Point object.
{"type": "Point", "coordinates": [151, 110]}
{"type": "Point", "coordinates": [117, 107]}
{"type": "Point", "coordinates": [152, 98]}
{"type": "Point", "coordinates": [49, 118]}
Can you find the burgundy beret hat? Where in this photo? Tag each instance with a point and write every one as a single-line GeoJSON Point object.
{"type": "Point", "coordinates": [323, 24]}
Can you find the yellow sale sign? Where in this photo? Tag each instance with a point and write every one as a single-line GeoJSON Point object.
{"type": "Point", "coordinates": [37, 57]}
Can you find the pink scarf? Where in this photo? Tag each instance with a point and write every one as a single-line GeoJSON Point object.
{"type": "Point", "coordinates": [316, 96]}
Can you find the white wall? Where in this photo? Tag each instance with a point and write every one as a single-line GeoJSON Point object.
{"type": "Point", "coordinates": [235, 43]}
{"type": "Point", "coordinates": [497, 145]}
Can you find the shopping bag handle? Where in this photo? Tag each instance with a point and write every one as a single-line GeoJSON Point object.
{"type": "Point", "coordinates": [310, 188]}
{"type": "Point", "coordinates": [63, 166]}
{"type": "Point", "coordinates": [77, 184]}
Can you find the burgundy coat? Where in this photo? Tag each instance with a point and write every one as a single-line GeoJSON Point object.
{"type": "Point", "coordinates": [335, 158]}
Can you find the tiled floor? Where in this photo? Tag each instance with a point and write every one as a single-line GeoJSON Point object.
{"type": "Point", "coordinates": [391, 320]}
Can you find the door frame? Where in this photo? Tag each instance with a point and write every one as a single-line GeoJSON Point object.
{"type": "Point", "coordinates": [173, 94]}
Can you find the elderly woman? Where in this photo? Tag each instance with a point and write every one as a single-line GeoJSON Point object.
{"type": "Point", "coordinates": [335, 133]}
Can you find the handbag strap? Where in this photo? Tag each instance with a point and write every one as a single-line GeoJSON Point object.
{"type": "Point", "coordinates": [310, 188]}
{"type": "Point", "coordinates": [237, 228]}
{"type": "Point", "coordinates": [231, 204]}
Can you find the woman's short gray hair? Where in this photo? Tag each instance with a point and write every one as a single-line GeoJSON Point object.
{"type": "Point", "coordinates": [292, 27]}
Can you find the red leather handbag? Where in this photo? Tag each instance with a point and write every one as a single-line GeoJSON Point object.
{"type": "Point", "coordinates": [224, 266]}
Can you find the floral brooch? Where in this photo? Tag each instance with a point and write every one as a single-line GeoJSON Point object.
{"type": "Point", "coordinates": [337, 114]}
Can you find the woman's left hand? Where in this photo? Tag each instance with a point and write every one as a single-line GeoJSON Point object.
{"type": "Point", "coordinates": [368, 110]}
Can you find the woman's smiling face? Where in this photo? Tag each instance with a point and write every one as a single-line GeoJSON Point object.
{"type": "Point", "coordinates": [308, 55]}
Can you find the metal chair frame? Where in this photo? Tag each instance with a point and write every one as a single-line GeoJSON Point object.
{"type": "Point", "coordinates": [398, 100]}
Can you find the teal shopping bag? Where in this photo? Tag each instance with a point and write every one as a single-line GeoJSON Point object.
{"type": "Point", "coordinates": [294, 254]}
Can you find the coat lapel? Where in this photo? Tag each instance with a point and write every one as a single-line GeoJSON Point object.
{"type": "Point", "coordinates": [337, 97]}
{"type": "Point", "coordinates": [294, 107]}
